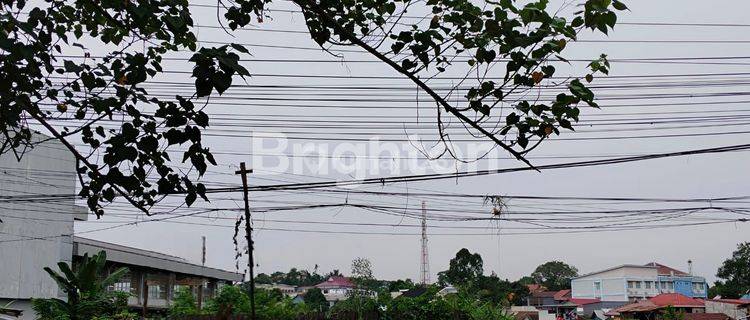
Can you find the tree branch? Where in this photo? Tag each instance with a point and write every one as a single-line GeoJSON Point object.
{"type": "Point", "coordinates": [83, 159]}
{"type": "Point", "coordinates": [311, 5]}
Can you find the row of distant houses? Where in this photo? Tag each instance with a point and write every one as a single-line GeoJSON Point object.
{"type": "Point", "coordinates": [334, 289]}
{"type": "Point", "coordinates": [642, 292]}
{"type": "Point", "coordinates": [339, 288]}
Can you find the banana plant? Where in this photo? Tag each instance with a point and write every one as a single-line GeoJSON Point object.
{"type": "Point", "coordinates": [86, 289]}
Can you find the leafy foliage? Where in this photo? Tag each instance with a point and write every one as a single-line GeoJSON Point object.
{"type": "Point", "coordinates": [672, 313]}
{"type": "Point", "coordinates": [295, 277]}
{"type": "Point", "coordinates": [463, 270]}
{"type": "Point", "coordinates": [86, 290]}
{"type": "Point", "coordinates": [426, 306]}
{"type": "Point", "coordinates": [270, 304]}
{"type": "Point", "coordinates": [362, 274]}
{"type": "Point", "coordinates": [401, 284]}
{"type": "Point", "coordinates": [230, 300]}
{"type": "Point", "coordinates": [183, 303]}
{"type": "Point", "coordinates": [38, 83]}
{"type": "Point", "coordinates": [498, 292]}
{"type": "Point", "coordinates": [554, 275]}
{"type": "Point", "coordinates": [734, 274]}
{"type": "Point", "coordinates": [315, 300]}
{"type": "Point", "coordinates": [96, 89]}
{"type": "Point", "coordinates": [522, 36]}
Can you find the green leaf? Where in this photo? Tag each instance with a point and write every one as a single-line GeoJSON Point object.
{"type": "Point", "coordinates": [71, 66]}
{"type": "Point", "coordinates": [190, 198]}
{"type": "Point", "coordinates": [619, 5]}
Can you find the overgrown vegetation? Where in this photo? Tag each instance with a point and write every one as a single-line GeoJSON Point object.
{"type": "Point", "coordinates": [272, 304]}
{"type": "Point", "coordinates": [734, 274]}
{"type": "Point", "coordinates": [88, 297]}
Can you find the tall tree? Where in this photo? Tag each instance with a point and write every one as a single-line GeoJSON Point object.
{"type": "Point", "coordinates": [735, 273]}
{"type": "Point", "coordinates": [493, 289]}
{"type": "Point", "coordinates": [362, 274]}
{"type": "Point", "coordinates": [555, 275]}
{"type": "Point", "coordinates": [315, 299]}
{"type": "Point", "coordinates": [47, 74]}
{"type": "Point", "coordinates": [463, 269]}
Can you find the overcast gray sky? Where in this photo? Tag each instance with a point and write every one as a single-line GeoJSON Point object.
{"type": "Point", "coordinates": [244, 112]}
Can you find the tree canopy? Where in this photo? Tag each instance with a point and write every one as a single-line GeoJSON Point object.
{"type": "Point", "coordinates": [463, 269]}
{"type": "Point", "coordinates": [295, 277]}
{"type": "Point", "coordinates": [734, 274]}
{"type": "Point", "coordinates": [554, 275]}
{"type": "Point", "coordinates": [47, 73]}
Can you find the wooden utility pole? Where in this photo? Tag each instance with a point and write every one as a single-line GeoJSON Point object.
{"type": "Point", "coordinates": [144, 311]}
{"type": "Point", "coordinates": [248, 236]}
{"type": "Point", "coordinates": [203, 251]}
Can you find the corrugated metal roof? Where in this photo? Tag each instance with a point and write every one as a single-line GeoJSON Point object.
{"type": "Point", "coordinates": [563, 295]}
{"type": "Point", "coordinates": [615, 268]}
{"type": "Point", "coordinates": [149, 259]}
{"type": "Point", "coordinates": [733, 301]}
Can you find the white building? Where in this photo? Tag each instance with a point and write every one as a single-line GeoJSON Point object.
{"type": "Point", "coordinates": [632, 282]}
{"type": "Point", "coordinates": [36, 231]}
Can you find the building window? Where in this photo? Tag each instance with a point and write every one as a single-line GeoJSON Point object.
{"type": "Point", "coordinates": [663, 285]}
{"type": "Point", "coordinates": [670, 285]}
{"type": "Point", "coordinates": [597, 285]}
{"type": "Point", "coordinates": [122, 286]}
{"type": "Point", "coordinates": [648, 284]}
{"type": "Point", "coordinates": [697, 286]}
{"type": "Point", "coordinates": [155, 292]}
{"type": "Point", "coordinates": [637, 284]}
{"type": "Point", "coordinates": [631, 284]}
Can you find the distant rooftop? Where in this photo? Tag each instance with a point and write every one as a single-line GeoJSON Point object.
{"type": "Point", "coordinates": [660, 269]}
{"type": "Point", "coordinates": [665, 270]}
{"type": "Point", "coordinates": [675, 300]}
{"type": "Point", "coordinates": [149, 259]}
{"type": "Point", "coordinates": [336, 282]}
{"type": "Point", "coordinates": [661, 301]}
{"type": "Point", "coordinates": [615, 268]}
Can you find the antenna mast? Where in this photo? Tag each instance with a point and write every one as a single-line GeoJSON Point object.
{"type": "Point", "coordinates": [425, 266]}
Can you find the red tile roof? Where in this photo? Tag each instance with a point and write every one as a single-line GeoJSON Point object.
{"type": "Point", "coordinates": [661, 301]}
{"type": "Point", "coordinates": [540, 294]}
{"type": "Point", "coordinates": [664, 270]}
{"type": "Point", "coordinates": [535, 287]}
{"type": "Point", "coordinates": [640, 306]}
{"type": "Point", "coordinates": [706, 316]}
{"type": "Point", "coordinates": [562, 295]}
{"type": "Point", "coordinates": [336, 282]}
{"type": "Point", "coordinates": [675, 300]}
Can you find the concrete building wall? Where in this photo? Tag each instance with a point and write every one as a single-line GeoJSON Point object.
{"type": "Point", "coordinates": [35, 234]}
{"type": "Point", "coordinates": [612, 284]}
{"type": "Point", "coordinates": [612, 289]}
{"type": "Point", "coordinates": [730, 309]}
